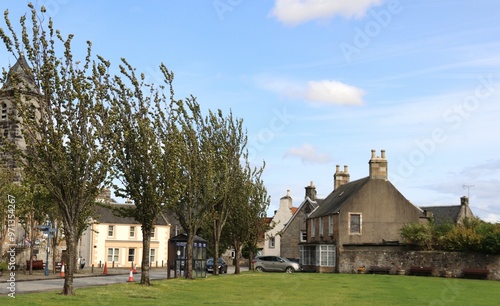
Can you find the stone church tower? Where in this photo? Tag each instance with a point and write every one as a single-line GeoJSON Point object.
{"type": "Point", "coordinates": [20, 85]}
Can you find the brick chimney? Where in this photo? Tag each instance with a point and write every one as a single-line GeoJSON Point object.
{"type": "Point", "coordinates": [378, 166]}
{"type": "Point", "coordinates": [340, 177]}
{"type": "Point", "coordinates": [311, 191]}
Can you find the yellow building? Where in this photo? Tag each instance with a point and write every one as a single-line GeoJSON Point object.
{"type": "Point", "coordinates": [117, 240]}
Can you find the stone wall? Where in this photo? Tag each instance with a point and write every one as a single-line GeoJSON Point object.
{"type": "Point", "coordinates": [442, 262]}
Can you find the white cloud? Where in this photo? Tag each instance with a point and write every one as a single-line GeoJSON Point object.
{"type": "Point", "coordinates": [298, 11]}
{"type": "Point", "coordinates": [329, 92]}
{"type": "Point", "coordinates": [333, 92]}
{"type": "Point", "coordinates": [308, 154]}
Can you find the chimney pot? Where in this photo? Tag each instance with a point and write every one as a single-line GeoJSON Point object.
{"type": "Point", "coordinates": [383, 153]}
{"type": "Point", "coordinates": [346, 169]}
{"type": "Point", "coordinates": [337, 168]}
{"type": "Point", "coordinates": [373, 153]}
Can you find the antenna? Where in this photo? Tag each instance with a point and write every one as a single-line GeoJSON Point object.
{"type": "Point", "coordinates": [468, 190]}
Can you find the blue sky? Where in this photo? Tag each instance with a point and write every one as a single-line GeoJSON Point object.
{"type": "Point", "coordinates": [320, 83]}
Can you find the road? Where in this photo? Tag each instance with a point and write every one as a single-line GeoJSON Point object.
{"type": "Point", "coordinates": [80, 282]}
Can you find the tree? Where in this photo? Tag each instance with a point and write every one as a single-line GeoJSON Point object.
{"type": "Point", "coordinates": [143, 161]}
{"type": "Point", "coordinates": [227, 144]}
{"type": "Point", "coordinates": [33, 206]}
{"type": "Point", "coordinates": [418, 234]}
{"type": "Point", "coordinates": [64, 126]}
{"type": "Point", "coordinates": [197, 172]}
{"type": "Point", "coordinates": [247, 224]}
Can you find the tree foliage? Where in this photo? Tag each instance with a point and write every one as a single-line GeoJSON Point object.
{"type": "Point", "coordinates": [144, 158]}
{"type": "Point", "coordinates": [63, 125]}
{"type": "Point", "coordinates": [472, 234]}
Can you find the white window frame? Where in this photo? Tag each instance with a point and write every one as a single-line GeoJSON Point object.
{"type": "Point", "coordinates": [111, 231]}
{"type": "Point", "coordinates": [153, 233]}
{"type": "Point", "coordinates": [131, 255]}
{"type": "Point", "coordinates": [303, 236]}
{"type": "Point", "coordinates": [152, 256]}
{"type": "Point", "coordinates": [272, 242]}
{"type": "Point", "coordinates": [113, 254]}
{"type": "Point", "coordinates": [313, 227]}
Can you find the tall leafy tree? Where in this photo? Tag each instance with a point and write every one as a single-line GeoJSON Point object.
{"type": "Point", "coordinates": [64, 127]}
{"type": "Point", "coordinates": [196, 164]}
{"type": "Point", "coordinates": [247, 225]}
{"type": "Point", "coordinates": [226, 146]}
{"type": "Point", "coordinates": [144, 154]}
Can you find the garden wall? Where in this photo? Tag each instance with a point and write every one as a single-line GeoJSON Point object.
{"type": "Point", "coordinates": [442, 262]}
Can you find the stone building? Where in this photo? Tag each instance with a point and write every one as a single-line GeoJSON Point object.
{"type": "Point", "coordinates": [368, 212]}
{"type": "Point", "coordinates": [295, 230]}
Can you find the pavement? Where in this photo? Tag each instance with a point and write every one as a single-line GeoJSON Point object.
{"type": "Point", "coordinates": [26, 283]}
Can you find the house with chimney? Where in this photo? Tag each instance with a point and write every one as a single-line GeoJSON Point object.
{"type": "Point", "coordinates": [272, 239]}
{"type": "Point", "coordinates": [367, 213]}
{"type": "Point", "coordinates": [295, 230]}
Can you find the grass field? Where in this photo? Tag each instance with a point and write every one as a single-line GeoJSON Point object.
{"type": "Point", "coordinates": [281, 289]}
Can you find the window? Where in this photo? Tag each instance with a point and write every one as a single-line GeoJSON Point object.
{"type": "Point", "coordinates": [308, 255]}
{"type": "Point", "coordinates": [313, 228]}
{"type": "Point", "coordinates": [111, 231]}
{"type": "Point", "coordinates": [327, 255]}
{"type": "Point", "coordinates": [354, 223]}
{"type": "Point", "coordinates": [131, 255]}
{"type": "Point", "coordinates": [132, 232]}
{"type": "Point", "coordinates": [153, 232]}
{"type": "Point", "coordinates": [272, 242]}
{"type": "Point", "coordinates": [113, 254]}
{"type": "Point", "coordinates": [318, 255]}
{"type": "Point", "coordinates": [330, 225]}
{"type": "Point", "coordinates": [4, 111]}
{"type": "Point", "coordinates": [303, 236]}
{"type": "Point", "coordinates": [152, 256]}
{"type": "Point", "coordinates": [321, 226]}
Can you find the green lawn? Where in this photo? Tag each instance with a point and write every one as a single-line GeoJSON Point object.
{"type": "Point", "coordinates": [281, 289]}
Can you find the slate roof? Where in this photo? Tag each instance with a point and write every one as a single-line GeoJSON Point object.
{"type": "Point", "coordinates": [444, 214]}
{"type": "Point", "coordinates": [105, 214]}
{"type": "Point", "coordinates": [314, 204]}
{"type": "Point", "coordinates": [335, 200]}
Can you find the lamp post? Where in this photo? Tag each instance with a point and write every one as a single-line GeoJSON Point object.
{"type": "Point", "coordinates": [47, 229]}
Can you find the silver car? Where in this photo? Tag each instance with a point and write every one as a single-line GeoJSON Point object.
{"type": "Point", "coordinates": [275, 263]}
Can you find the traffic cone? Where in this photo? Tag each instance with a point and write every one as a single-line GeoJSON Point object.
{"type": "Point", "coordinates": [62, 270]}
{"type": "Point", "coordinates": [105, 269]}
{"type": "Point", "coordinates": [135, 269]}
{"type": "Point", "coordinates": [131, 276]}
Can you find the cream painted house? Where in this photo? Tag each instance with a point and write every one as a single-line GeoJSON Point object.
{"type": "Point", "coordinates": [272, 243]}
{"type": "Point", "coordinates": [117, 241]}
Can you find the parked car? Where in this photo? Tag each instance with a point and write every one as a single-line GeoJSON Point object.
{"type": "Point", "coordinates": [275, 263]}
{"type": "Point", "coordinates": [222, 265]}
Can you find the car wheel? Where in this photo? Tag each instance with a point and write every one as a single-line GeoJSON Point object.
{"type": "Point", "coordinates": [289, 270]}
{"type": "Point", "coordinates": [259, 269]}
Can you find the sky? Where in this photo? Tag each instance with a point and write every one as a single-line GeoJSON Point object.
{"type": "Point", "coordinates": [321, 83]}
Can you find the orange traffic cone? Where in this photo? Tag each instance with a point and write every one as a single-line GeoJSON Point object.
{"type": "Point", "coordinates": [131, 276]}
{"type": "Point", "coordinates": [62, 270]}
{"type": "Point", "coordinates": [135, 269]}
{"type": "Point", "coordinates": [105, 269]}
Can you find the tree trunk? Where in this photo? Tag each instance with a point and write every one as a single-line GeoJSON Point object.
{"type": "Point", "coordinates": [217, 234]}
{"type": "Point", "coordinates": [237, 255]}
{"type": "Point", "coordinates": [69, 267]}
{"type": "Point", "coordinates": [145, 266]}
{"type": "Point", "coordinates": [189, 257]}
